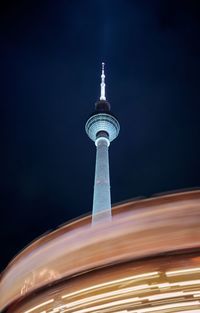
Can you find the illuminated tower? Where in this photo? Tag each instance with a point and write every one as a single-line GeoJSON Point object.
{"type": "Point", "coordinates": [102, 127]}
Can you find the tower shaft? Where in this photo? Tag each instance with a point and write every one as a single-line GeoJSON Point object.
{"type": "Point", "coordinates": [101, 198]}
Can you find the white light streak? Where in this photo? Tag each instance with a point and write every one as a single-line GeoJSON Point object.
{"type": "Point", "coordinates": [197, 295]}
{"type": "Point", "coordinates": [107, 295]}
{"type": "Point", "coordinates": [166, 306]}
{"type": "Point", "coordinates": [183, 272]}
{"type": "Point", "coordinates": [93, 299]}
{"type": "Point", "coordinates": [189, 311]}
{"type": "Point", "coordinates": [170, 295]}
{"type": "Point", "coordinates": [108, 305]}
{"type": "Point", "coordinates": [164, 285]}
{"type": "Point", "coordinates": [136, 300]}
{"type": "Point", "coordinates": [189, 282]}
{"type": "Point", "coordinates": [39, 306]}
{"type": "Point", "coordinates": [181, 283]}
{"type": "Point", "coordinates": [117, 281]}
{"type": "Point", "coordinates": [112, 294]}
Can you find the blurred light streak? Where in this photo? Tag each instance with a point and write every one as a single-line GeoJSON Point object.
{"type": "Point", "coordinates": [152, 309]}
{"type": "Point", "coordinates": [91, 300]}
{"type": "Point", "coordinates": [180, 283]}
{"type": "Point", "coordinates": [170, 295]}
{"type": "Point", "coordinates": [189, 282]}
{"type": "Point", "coordinates": [135, 277]}
{"type": "Point", "coordinates": [166, 306]}
{"type": "Point", "coordinates": [163, 285]}
{"type": "Point", "coordinates": [112, 294]}
{"type": "Point", "coordinates": [108, 295]}
{"type": "Point", "coordinates": [124, 311]}
{"type": "Point", "coordinates": [94, 299]}
{"type": "Point", "coordinates": [189, 311]}
{"type": "Point", "coordinates": [39, 306]}
{"type": "Point", "coordinates": [107, 305]}
{"type": "Point", "coordinates": [182, 272]}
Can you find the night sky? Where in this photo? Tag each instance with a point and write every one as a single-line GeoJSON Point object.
{"type": "Point", "coordinates": [51, 54]}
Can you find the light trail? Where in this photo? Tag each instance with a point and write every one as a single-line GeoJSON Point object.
{"type": "Point", "coordinates": [107, 295]}
{"type": "Point", "coordinates": [112, 294]}
{"type": "Point", "coordinates": [181, 283]}
{"type": "Point", "coordinates": [140, 288]}
{"type": "Point", "coordinates": [183, 272]}
{"type": "Point", "coordinates": [165, 306]}
{"type": "Point", "coordinates": [39, 306]}
{"type": "Point", "coordinates": [135, 277]}
{"type": "Point", "coordinates": [189, 311]}
{"type": "Point", "coordinates": [128, 301]}
{"type": "Point", "coordinates": [94, 299]}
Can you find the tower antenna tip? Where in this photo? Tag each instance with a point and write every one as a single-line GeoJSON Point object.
{"type": "Point", "coordinates": [103, 85]}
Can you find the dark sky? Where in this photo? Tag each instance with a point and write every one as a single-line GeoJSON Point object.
{"type": "Point", "coordinates": [51, 54]}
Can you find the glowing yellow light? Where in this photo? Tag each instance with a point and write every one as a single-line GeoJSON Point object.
{"type": "Point", "coordinates": [152, 309]}
{"type": "Point", "coordinates": [107, 295]}
{"type": "Point", "coordinates": [39, 306]}
{"type": "Point", "coordinates": [189, 311]}
{"type": "Point", "coordinates": [170, 295]}
{"type": "Point", "coordinates": [124, 311]}
{"type": "Point", "coordinates": [166, 306]}
{"type": "Point", "coordinates": [135, 277]}
{"type": "Point", "coordinates": [164, 285]}
{"type": "Point", "coordinates": [108, 305]}
{"type": "Point", "coordinates": [58, 308]}
{"type": "Point", "coordinates": [150, 298]}
{"type": "Point", "coordinates": [183, 272]}
{"type": "Point", "coordinates": [112, 294]}
{"type": "Point", "coordinates": [181, 283]}
{"type": "Point", "coordinates": [189, 282]}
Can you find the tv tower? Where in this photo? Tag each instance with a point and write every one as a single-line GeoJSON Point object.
{"type": "Point", "coordinates": [102, 127]}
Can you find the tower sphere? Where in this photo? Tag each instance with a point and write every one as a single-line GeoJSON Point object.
{"type": "Point", "coordinates": [102, 121]}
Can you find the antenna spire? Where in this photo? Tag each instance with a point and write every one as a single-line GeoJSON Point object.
{"type": "Point", "coordinates": [103, 85]}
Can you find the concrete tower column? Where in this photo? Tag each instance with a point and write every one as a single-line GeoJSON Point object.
{"type": "Point", "coordinates": [101, 198]}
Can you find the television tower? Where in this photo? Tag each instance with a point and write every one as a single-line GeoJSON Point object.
{"type": "Point", "coordinates": [102, 127]}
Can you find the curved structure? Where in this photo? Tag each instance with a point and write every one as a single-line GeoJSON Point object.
{"type": "Point", "coordinates": [102, 127]}
{"type": "Point", "coordinates": [146, 260]}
